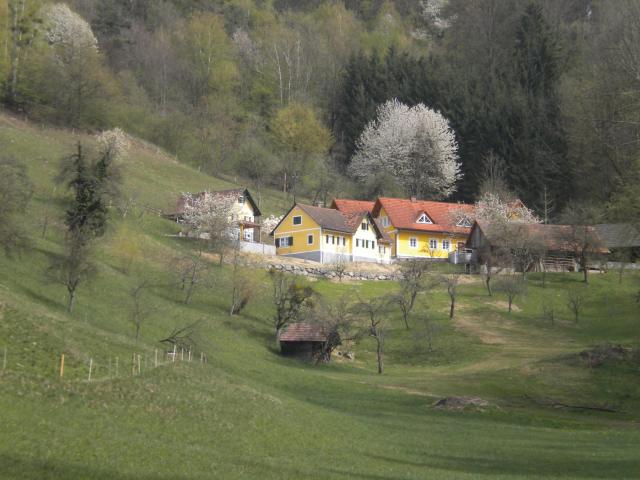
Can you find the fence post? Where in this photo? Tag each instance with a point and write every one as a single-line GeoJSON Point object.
{"type": "Point", "coordinates": [4, 359]}
{"type": "Point", "coordinates": [174, 353]}
{"type": "Point", "coordinates": [62, 365]}
{"type": "Point", "coordinates": [138, 364]}
{"type": "Point", "coordinates": [182, 354]}
{"type": "Point", "coordinates": [156, 359]}
{"type": "Point", "coordinates": [133, 364]}
{"type": "Point", "coordinates": [116, 366]}
{"type": "Point", "coordinates": [109, 367]}
{"type": "Point", "coordinates": [90, 367]}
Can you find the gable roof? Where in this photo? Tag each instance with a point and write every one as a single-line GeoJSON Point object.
{"type": "Point", "coordinates": [349, 206]}
{"type": "Point", "coordinates": [302, 332]}
{"type": "Point", "coordinates": [404, 213]}
{"type": "Point", "coordinates": [618, 235]}
{"type": "Point", "coordinates": [554, 237]}
{"type": "Point", "coordinates": [229, 193]}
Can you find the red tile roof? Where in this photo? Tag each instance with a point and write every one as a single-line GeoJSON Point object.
{"type": "Point", "coordinates": [403, 214]}
{"type": "Point", "coordinates": [350, 206]}
{"type": "Point", "coordinates": [303, 332]}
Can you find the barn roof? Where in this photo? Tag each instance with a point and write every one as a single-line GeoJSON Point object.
{"type": "Point", "coordinates": [618, 235]}
{"type": "Point", "coordinates": [404, 213]}
{"type": "Point", "coordinates": [303, 332]}
{"type": "Point", "coordinates": [558, 238]}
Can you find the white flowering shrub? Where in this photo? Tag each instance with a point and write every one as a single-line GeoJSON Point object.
{"type": "Point", "coordinates": [492, 209]}
{"type": "Point", "coordinates": [209, 215]}
{"type": "Point", "coordinates": [66, 28]}
{"type": "Point", "coordinates": [270, 222]}
{"type": "Point", "coordinates": [113, 143]}
{"type": "Point", "coordinates": [415, 145]}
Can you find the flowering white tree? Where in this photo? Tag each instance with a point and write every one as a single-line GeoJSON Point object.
{"type": "Point", "coordinates": [415, 145]}
{"type": "Point", "coordinates": [113, 143]}
{"type": "Point", "coordinates": [207, 215]}
{"type": "Point", "coordinates": [269, 223]}
{"type": "Point", "coordinates": [66, 28]}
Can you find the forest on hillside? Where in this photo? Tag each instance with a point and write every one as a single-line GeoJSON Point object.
{"type": "Point", "coordinates": [543, 94]}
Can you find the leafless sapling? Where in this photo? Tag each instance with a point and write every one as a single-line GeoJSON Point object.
{"type": "Point", "coordinates": [413, 280]}
{"type": "Point", "coordinates": [575, 301]}
{"type": "Point", "coordinates": [376, 312]}
{"type": "Point", "coordinates": [290, 295]}
{"type": "Point", "coordinates": [242, 285]}
{"type": "Point", "coordinates": [451, 281]}
{"type": "Point", "coordinates": [512, 286]}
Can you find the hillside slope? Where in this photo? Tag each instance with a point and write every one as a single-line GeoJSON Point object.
{"type": "Point", "coordinates": [247, 412]}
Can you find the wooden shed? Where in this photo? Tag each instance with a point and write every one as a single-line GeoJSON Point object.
{"type": "Point", "coordinates": [302, 340]}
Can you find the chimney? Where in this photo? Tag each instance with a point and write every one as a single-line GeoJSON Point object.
{"type": "Point", "coordinates": [413, 199]}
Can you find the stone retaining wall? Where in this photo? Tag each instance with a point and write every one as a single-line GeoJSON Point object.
{"type": "Point", "coordinates": [326, 272]}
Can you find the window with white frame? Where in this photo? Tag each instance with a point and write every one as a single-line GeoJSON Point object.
{"type": "Point", "coordinates": [424, 219]}
{"type": "Point", "coordinates": [446, 245]}
{"type": "Point", "coordinates": [385, 221]}
{"type": "Point", "coordinates": [327, 237]}
{"type": "Point", "coordinates": [373, 244]}
{"type": "Point", "coordinates": [413, 242]}
{"type": "Point", "coordinates": [286, 241]}
{"type": "Point", "coordinates": [344, 242]}
{"type": "Point", "coordinates": [357, 242]}
{"type": "Point", "coordinates": [241, 199]}
{"type": "Point", "coordinates": [297, 220]}
{"type": "Point", "coordinates": [310, 239]}
{"type": "Point", "coordinates": [433, 243]}
{"type": "Point", "coordinates": [464, 222]}
{"type": "Point", "coordinates": [365, 226]}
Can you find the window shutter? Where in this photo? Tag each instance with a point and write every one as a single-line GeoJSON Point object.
{"type": "Point", "coordinates": [291, 241]}
{"type": "Point", "coordinates": [277, 243]}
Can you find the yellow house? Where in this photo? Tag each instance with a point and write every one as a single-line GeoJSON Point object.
{"type": "Point", "coordinates": [326, 235]}
{"type": "Point", "coordinates": [423, 229]}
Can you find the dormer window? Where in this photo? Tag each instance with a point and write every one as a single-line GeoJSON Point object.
{"type": "Point", "coordinates": [423, 218]}
{"type": "Point", "coordinates": [464, 223]}
{"type": "Point", "coordinates": [241, 199]}
{"type": "Point", "coordinates": [365, 226]}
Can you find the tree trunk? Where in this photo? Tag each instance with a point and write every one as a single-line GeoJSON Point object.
{"type": "Point", "coordinates": [379, 353]}
{"type": "Point", "coordinates": [510, 303]}
{"type": "Point", "coordinates": [453, 306]}
{"type": "Point", "coordinates": [71, 302]}
{"type": "Point", "coordinates": [488, 284]}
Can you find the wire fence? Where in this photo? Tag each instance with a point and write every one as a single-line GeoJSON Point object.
{"type": "Point", "coordinates": [101, 367]}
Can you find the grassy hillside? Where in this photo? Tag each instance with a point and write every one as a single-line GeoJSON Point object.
{"type": "Point", "coordinates": [248, 413]}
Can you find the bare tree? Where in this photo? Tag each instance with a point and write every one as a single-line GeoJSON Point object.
{"type": "Point", "coordinates": [580, 236]}
{"type": "Point", "coordinates": [512, 286]}
{"type": "Point", "coordinates": [376, 311]}
{"type": "Point", "coordinates": [140, 309]}
{"type": "Point", "coordinates": [193, 270]}
{"type": "Point", "coordinates": [413, 280]}
{"type": "Point", "coordinates": [338, 321]}
{"type": "Point", "coordinates": [185, 337]}
{"type": "Point", "coordinates": [575, 301]}
{"type": "Point", "coordinates": [290, 295]}
{"type": "Point", "coordinates": [451, 282]}
{"type": "Point", "coordinates": [242, 285]}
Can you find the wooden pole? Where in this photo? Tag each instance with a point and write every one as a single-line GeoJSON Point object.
{"type": "Point", "coordinates": [116, 366]}
{"type": "Point", "coordinates": [174, 353]}
{"type": "Point", "coordinates": [182, 354]}
{"type": "Point", "coordinates": [133, 364]}
{"type": "Point", "coordinates": [90, 367]}
{"type": "Point", "coordinates": [156, 360]}
{"type": "Point", "coordinates": [62, 365]}
{"type": "Point", "coordinates": [138, 363]}
{"type": "Point", "coordinates": [189, 354]}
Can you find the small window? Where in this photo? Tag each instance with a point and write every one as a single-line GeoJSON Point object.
{"type": "Point", "coordinates": [446, 244]}
{"type": "Point", "coordinates": [366, 244]}
{"type": "Point", "coordinates": [413, 242]}
{"type": "Point", "coordinates": [297, 220]}
{"type": "Point", "coordinates": [286, 241]}
{"type": "Point", "coordinates": [309, 239]}
{"type": "Point", "coordinates": [385, 221]}
{"type": "Point", "coordinates": [365, 226]}
{"type": "Point", "coordinates": [344, 242]}
{"type": "Point", "coordinates": [327, 238]}
{"type": "Point", "coordinates": [464, 223]}
{"type": "Point", "coordinates": [424, 219]}
{"type": "Point", "coordinates": [241, 199]}
{"type": "Point", "coordinates": [357, 242]}
{"type": "Point", "coordinates": [381, 249]}
{"type": "Point", "coordinates": [433, 244]}
{"type": "Point", "coordinates": [373, 244]}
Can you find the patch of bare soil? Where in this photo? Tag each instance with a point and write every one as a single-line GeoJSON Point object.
{"type": "Point", "coordinates": [602, 354]}
{"type": "Point", "coordinates": [502, 304]}
{"type": "Point", "coordinates": [490, 337]}
{"type": "Point", "coordinates": [460, 403]}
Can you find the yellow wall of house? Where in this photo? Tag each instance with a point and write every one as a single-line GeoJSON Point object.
{"type": "Point", "coordinates": [336, 247]}
{"type": "Point", "coordinates": [423, 249]}
{"type": "Point", "coordinates": [298, 232]}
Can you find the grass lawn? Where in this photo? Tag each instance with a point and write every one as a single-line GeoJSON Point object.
{"type": "Point", "coordinates": [249, 413]}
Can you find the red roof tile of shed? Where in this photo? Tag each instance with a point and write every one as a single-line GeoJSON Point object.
{"type": "Point", "coordinates": [350, 206]}
{"type": "Point", "coordinates": [303, 332]}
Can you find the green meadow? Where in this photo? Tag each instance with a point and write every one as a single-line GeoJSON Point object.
{"type": "Point", "coordinates": [248, 412]}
